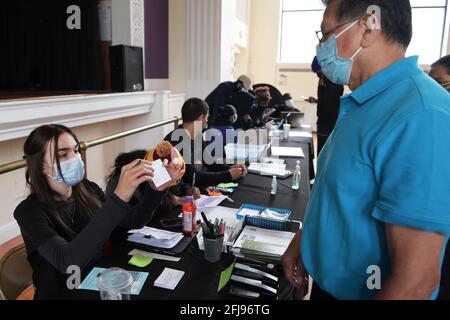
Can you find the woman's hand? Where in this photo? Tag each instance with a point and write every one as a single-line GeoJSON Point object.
{"type": "Point", "coordinates": [131, 177]}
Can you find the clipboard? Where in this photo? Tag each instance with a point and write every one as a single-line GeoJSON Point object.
{"type": "Point", "coordinates": [176, 251]}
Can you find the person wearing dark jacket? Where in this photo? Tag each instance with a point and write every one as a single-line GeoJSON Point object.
{"type": "Point", "coordinates": [188, 139]}
{"type": "Point", "coordinates": [234, 93]}
{"type": "Point", "coordinates": [66, 220]}
{"type": "Point", "coordinates": [328, 105]}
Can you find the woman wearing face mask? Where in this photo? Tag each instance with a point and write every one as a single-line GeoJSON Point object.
{"type": "Point", "coordinates": [66, 220]}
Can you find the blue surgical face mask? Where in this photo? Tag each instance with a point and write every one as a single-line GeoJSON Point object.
{"type": "Point", "coordinates": [72, 170]}
{"type": "Point", "coordinates": [335, 68]}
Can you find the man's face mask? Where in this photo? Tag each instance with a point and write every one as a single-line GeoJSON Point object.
{"type": "Point", "coordinates": [72, 170]}
{"type": "Point", "coordinates": [335, 68]}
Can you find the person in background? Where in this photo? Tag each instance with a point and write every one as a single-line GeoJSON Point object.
{"type": "Point", "coordinates": [232, 93]}
{"type": "Point", "coordinates": [328, 102]}
{"type": "Point", "coordinates": [261, 110]}
{"type": "Point", "coordinates": [440, 71]}
{"type": "Point", "coordinates": [195, 114]}
{"type": "Point", "coordinates": [67, 220]}
{"type": "Point", "coordinates": [172, 199]}
{"type": "Point", "coordinates": [288, 103]}
{"type": "Point", "coordinates": [378, 219]}
{"type": "Point", "coordinates": [226, 118]}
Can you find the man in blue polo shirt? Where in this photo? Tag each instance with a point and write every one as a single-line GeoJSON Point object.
{"type": "Point", "coordinates": [379, 214]}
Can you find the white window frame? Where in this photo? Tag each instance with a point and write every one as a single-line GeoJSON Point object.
{"type": "Point", "coordinates": [306, 66]}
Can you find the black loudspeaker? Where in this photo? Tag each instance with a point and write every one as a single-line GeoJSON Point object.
{"type": "Point", "coordinates": [127, 68]}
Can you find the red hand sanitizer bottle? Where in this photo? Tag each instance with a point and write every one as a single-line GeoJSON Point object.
{"type": "Point", "coordinates": [189, 216]}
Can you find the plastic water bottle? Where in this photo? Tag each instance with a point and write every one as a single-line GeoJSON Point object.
{"type": "Point", "coordinates": [274, 186]}
{"type": "Point", "coordinates": [297, 177]}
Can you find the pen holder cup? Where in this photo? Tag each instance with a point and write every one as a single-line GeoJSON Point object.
{"type": "Point", "coordinates": [213, 249]}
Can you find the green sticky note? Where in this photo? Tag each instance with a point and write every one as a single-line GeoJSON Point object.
{"type": "Point", "coordinates": [225, 277]}
{"type": "Point", "coordinates": [228, 185]}
{"type": "Point", "coordinates": [140, 261]}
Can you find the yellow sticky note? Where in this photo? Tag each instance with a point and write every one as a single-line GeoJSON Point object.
{"type": "Point", "coordinates": [140, 261]}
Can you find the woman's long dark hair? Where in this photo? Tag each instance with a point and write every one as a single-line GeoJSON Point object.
{"type": "Point", "coordinates": [34, 149]}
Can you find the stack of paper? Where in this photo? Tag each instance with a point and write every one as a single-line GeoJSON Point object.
{"type": "Point", "coordinates": [244, 152]}
{"type": "Point", "coordinates": [300, 134]}
{"type": "Point", "coordinates": [209, 202]}
{"type": "Point", "coordinates": [262, 244]}
{"type": "Point", "coordinates": [155, 237]}
{"type": "Point", "coordinates": [270, 169]}
{"type": "Point", "coordinates": [169, 279]}
{"type": "Point", "coordinates": [287, 152]}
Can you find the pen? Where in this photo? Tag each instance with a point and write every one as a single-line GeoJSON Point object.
{"type": "Point", "coordinates": [229, 199]}
{"type": "Point", "coordinates": [208, 224]}
{"type": "Point", "coordinates": [222, 232]}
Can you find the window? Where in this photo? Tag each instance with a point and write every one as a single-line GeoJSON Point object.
{"type": "Point", "coordinates": [300, 18]}
{"type": "Point", "coordinates": [430, 30]}
{"type": "Point", "coordinates": [299, 21]}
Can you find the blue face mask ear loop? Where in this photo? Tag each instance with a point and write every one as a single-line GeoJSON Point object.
{"type": "Point", "coordinates": [345, 30]}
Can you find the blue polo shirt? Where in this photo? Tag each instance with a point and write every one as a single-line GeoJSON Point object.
{"type": "Point", "coordinates": [387, 161]}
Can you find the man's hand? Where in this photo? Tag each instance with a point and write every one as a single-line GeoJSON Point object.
{"type": "Point", "coordinates": [195, 192]}
{"type": "Point", "coordinates": [415, 264]}
{"type": "Point", "coordinates": [237, 172]}
{"type": "Point", "coordinates": [312, 100]}
{"type": "Point", "coordinates": [293, 267]}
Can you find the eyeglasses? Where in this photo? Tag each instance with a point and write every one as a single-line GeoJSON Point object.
{"type": "Point", "coordinates": [323, 35]}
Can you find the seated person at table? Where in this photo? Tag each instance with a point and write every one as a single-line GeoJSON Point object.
{"type": "Point", "coordinates": [228, 93]}
{"type": "Point", "coordinates": [172, 199]}
{"type": "Point", "coordinates": [188, 139]}
{"type": "Point", "coordinates": [440, 71]}
{"type": "Point", "coordinates": [67, 220]}
{"type": "Point", "coordinates": [261, 111]}
{"type": "Point", "coordinates": [226, 118]}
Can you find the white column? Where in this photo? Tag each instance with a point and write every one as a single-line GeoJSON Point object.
{"type": "Point", "coordinates": [203, 46]}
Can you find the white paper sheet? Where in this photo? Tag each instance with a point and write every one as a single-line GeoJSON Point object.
{"type": "Point", "coordinates": [156, 233]}
{"type": "Point", "coordinates": [169, 279]}
{"type": "Point", "coordinates": [300, 134]}
{"type": "Point", "coordinates": [160, 176]}
{"type": "Point", "coordinates": [287, 152]}
{"type": "Point", "coordinates": [268, 169]}
{"type": "Point", "coordinates": [271, 237]}
{"type": "Point", "coordinates": [209, 202]}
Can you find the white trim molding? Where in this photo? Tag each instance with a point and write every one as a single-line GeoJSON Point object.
{"type": "Point", "coordinates": [8, 232]}
{"type": "Point", "coordinates": [19, 118]}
